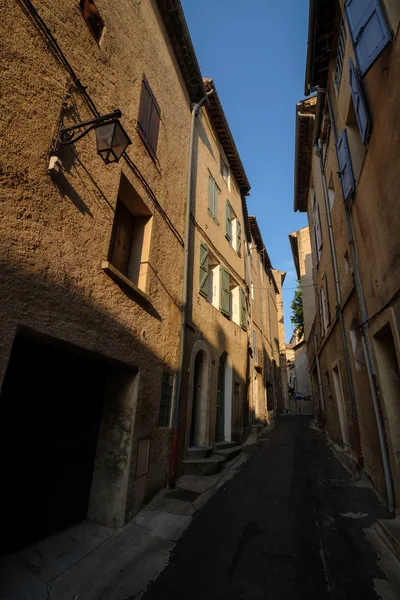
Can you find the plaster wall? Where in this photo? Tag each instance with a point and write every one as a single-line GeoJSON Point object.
{"type": "Point", "coordinates": [55, 231]}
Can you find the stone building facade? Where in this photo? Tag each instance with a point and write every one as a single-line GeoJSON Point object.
{"type": "Point", "coordinates": [97, 388]}
{"type": "Point", "coordinates": [90, 320]}
{"type": "Point", "coordinates": [346, 179]}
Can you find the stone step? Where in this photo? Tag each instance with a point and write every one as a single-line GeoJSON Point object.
{"type": "Point", "coordinates": [194, 452]}
{"type": "Point", "coordinates": [389, 530]}
{"type": "Point", "coordinates": [257, 428]}
{"type": "Point", "coordinates": [203, 466]}
{"type": "Point", "coordinates": [228, 453]}
{"type": "Point", "coordinates": [223, 445]}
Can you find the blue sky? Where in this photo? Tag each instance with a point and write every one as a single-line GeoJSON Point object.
{"type": "Point", "coordinates": [256, 51]}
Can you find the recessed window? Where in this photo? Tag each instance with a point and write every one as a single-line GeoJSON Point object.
{"type": "Point", "coordinates": [164, 419]}
{"type": "Point", "coordinates": [149, 118]}
{"type": "Point", "coordinates": [346, 262]}
{"type": "Point", "coordinates": [130, 243]}
{"type": "Point", "coordinates": [224, 170]}
{"type": "Point", "coordinates": [340, 56]}
{"type": "Point", "coordinates": [357, 345]}
{"type": "Point", "coordinates": [92, 18]}
{"type": "Point", "coordinates": [213, 192]}
{"type": "Point", "coordinates": [233, 229]}
{"type": "Point", "coordinates": [331, 191]}
{"type": "Point", "coordinates": [317, 228]}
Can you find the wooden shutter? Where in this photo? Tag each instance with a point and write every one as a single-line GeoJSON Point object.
{"type": "Point", "coordinates": [145, 108]}
{"type": "Point", "coordinates": [154, 127]}
{"type": "Point", "coordinates": [360, 105]}
{"type": "Point", "coordinates": [228, 222]}
{"type": "Point", "coordinates": [122, 238]}
{"type": "Point", "coordinates": [225, 293]}
{"type": "Point", "coordinates": [149, 118]}
{"type": "Point", "coordinates": [369, 31]}
{"type": "Point", "coordinates": [203, 272]}
{"type": "Point", "coordinates": [345, 167]}
{"type": "Point", "coordinates": [238, 238]}
{"type": "Point", "coordinates": [211, 194]}
{"type": "Point", "coordinates": [242, 309]}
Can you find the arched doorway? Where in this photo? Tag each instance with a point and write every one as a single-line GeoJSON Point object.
{"type": "Point", "coordinates": [223, 424]}
{"type": "Point", "coordinates": [199, 403]}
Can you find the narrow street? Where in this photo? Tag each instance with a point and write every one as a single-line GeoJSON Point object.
{"type": "Point", "coordinates": [290, 525]}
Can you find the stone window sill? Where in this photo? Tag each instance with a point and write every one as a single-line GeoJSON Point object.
{"type": "Point", "coordinates": [123, 281]}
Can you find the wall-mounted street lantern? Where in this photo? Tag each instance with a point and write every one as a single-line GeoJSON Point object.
{"type": "Point", "coordinates": [112, 139]}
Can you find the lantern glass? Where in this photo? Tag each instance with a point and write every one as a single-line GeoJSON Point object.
{"type": "Point", "coordinates": [112, 141]}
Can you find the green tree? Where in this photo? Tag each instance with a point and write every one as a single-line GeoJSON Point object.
{"type": "Point", "coordinates": [297, 316]}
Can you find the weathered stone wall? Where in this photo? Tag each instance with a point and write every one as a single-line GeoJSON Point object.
{"type": "Point", "coordinates": [56, 230]}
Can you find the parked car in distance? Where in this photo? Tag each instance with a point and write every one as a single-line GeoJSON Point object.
{"type": "Point", "coordinates": [300, 396]}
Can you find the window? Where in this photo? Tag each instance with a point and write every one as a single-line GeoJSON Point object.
{"type": "Point", "coordinates": [238, 306]}
{"type": "Point", "coordinates": [213, 191]}
{"type": "Point", "coordinates": [346, 262]}
{"type": "Point", "coordinates": [323, 312]}
{"type": "Point", "coordinates": [149, 118]}
{"type": "Point", "coordinates": [225, 297]}
{"type": "Point", "coordinates": [92, 18]}
{"type": "Point", "coordinates": [317, 228]}
{"type": "Point", "coordinates": [345, 166]}
{"type": "Point", "coordinates": [224, 170]}
{"type": "Point", "coordinates": [328, 387]}
{"type": "Point", "coordinates": [357, 345]}
{"type": "Point", "coordinates": [229, 216]}
{"type": "Point", "coordinates": [254, 344]}
{"type": "Point", "coordinates": [359, 103]}
{"type": "Point", "coordinates": [130, 242]}
{"type": "Point", "coordinates": [164, 419]}
{"type": "Point", "coordinates": [340, 56]}
{"type": "Point", "coordinates": [209, 276]}
{"type": "Point", "coordinates": [233, 229]}
{"type": "Point", "coordinates": [252, 290]}
{"type": "Point", "coordinates": [331, 191]}
{"type": "Point", "coordinates": [369, 31]}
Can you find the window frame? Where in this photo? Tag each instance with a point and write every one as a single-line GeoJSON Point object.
{"type": "Point", "coordinates": [150, 110]}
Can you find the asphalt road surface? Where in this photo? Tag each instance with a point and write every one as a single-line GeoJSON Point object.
{"type": "Point", "coordinates": [289, 526]}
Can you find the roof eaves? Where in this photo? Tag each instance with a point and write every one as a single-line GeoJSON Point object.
{"type": "Point", "coordinates": [178, 33]}
{"type": "Point", "coordinates": [294, 245]}
{"type": "Point", "coordinates": [221, 126]}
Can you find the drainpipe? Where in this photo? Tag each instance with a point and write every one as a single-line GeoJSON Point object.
{"type": "Point", "coordinates": [318, 151]}
{"type": "Point", "coordinates": [369, 359]}
{"type": "Point", "coordinates": [175, 422]}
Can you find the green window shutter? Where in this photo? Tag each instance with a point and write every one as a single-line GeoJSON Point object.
{"type": "Point", "coordinates": [228, 222]}
{"type": "Point", "coordinates": [216, 202]}
{"type": "Point", "coordinates": [239, 238]}
{"type": "Point", "coordinates": [242, 309]}
{"type": "Point", "coordinates": [211, 187]}
{"type": "Point", "coordinates": [203, 274]}
{"type": "Point", "coordinates": [225, 293]}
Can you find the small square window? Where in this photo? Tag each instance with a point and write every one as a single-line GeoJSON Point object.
{"type": "Point", "coordinates": [92, 18]}
{"type": "Point", "coordinates": [130, 242]}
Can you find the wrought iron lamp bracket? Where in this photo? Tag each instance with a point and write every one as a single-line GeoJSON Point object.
{"type": "Point", "coordinates": [70, 135]}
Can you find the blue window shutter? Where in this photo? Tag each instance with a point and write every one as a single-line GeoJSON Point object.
{"type": "Point", "coordinates": [360, 106]}
{"type": "Point", "coordinates": [369, 31]}
{"type": "Point", "coordinates": [203, 274]}
{"type": "Point", "coordinates": [345, 167]}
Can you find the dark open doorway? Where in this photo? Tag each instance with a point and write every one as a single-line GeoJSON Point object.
{"type": "Point", "coordinates": [50, 411]}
